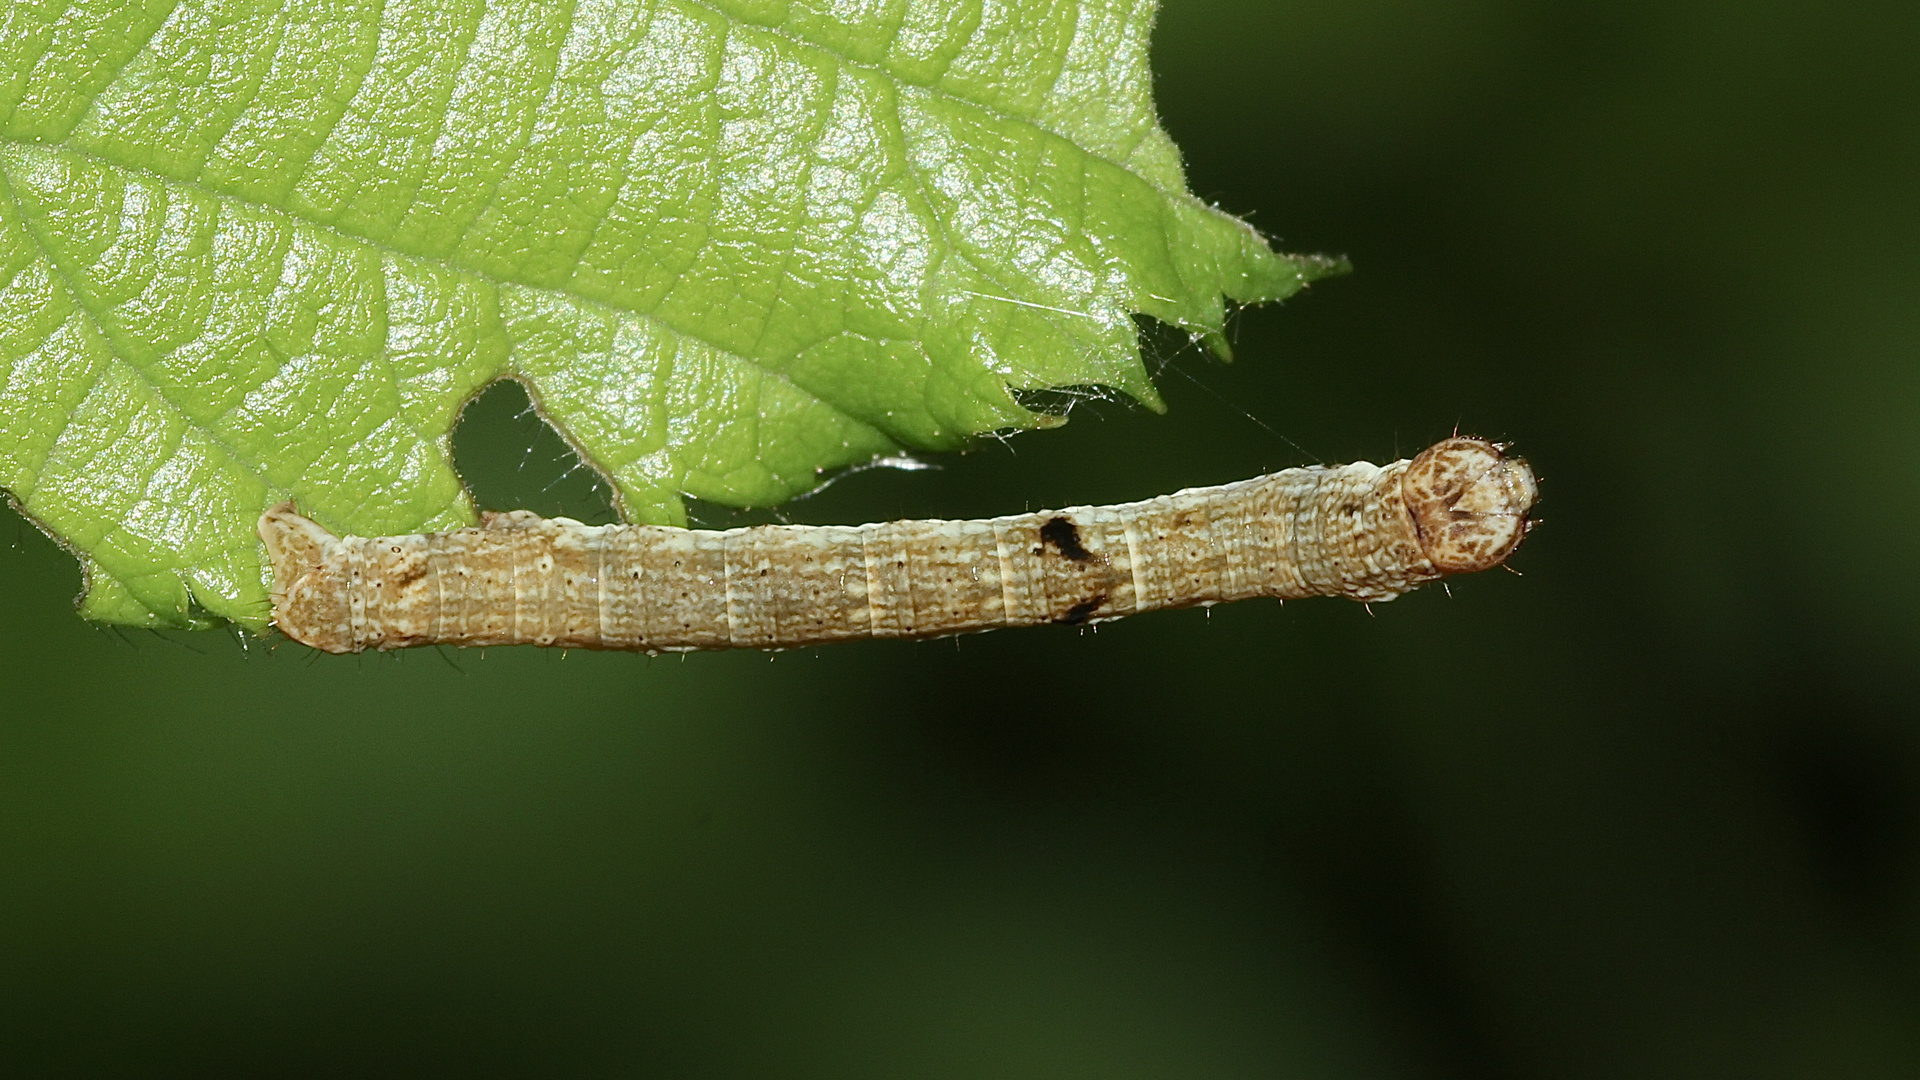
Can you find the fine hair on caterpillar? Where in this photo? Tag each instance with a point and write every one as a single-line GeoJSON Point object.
{"type": "Point", "coordinates": [1363, 531]}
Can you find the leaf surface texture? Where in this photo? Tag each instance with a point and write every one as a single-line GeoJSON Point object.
{"type": "Point", "coordinates": [252, 251]}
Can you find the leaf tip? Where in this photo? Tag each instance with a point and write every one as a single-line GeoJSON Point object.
{"type": "Point", "coordinates": [1312, 268]}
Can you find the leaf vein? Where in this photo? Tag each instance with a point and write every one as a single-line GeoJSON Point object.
{"type": "Point", "coordinates": [29, 63]}
{"type": "Point", "coordinates": [513, 158]}
{"type": "Point", "coordinates": [270, 53]}
{"type": "Point", "coordinates": [93, 99]}
{"type": "Point", "coordinates": [948, 95]}
{"type": "Point", "coordinates": [811, 160]}
{"type": "Point", "coordinates": [295, 178]}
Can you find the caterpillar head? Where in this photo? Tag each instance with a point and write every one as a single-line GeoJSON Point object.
{"type": "Point", "coordinates": [1469, 502]}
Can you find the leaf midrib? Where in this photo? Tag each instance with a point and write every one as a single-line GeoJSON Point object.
{"type": "Point", "coordinates": [454, 264]}
{"type": "Point", "coordinates": [384, 249]}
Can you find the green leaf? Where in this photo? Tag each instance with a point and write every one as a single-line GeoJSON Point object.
{"type": "Point", "coordinates": [259, 250]}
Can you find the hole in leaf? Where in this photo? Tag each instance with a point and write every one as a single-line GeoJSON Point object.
{"type": "Point", "coordinates": [512, 459]}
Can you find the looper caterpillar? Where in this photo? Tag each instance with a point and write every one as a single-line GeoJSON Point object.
{"type": "Point", "coordinates": [1362, 531]}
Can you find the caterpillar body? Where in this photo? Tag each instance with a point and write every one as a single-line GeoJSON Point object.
{"type": "Point", "coordinates": [1362, 531]}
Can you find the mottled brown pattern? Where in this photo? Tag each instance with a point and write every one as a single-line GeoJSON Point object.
{"type": "Point", "coordinates": [1362, 531]}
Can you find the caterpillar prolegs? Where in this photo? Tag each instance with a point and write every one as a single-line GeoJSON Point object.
{"type": "Point", "coordinates": [1362, 531]}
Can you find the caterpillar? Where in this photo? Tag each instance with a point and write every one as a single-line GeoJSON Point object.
{"type": "Point", "coordinates": [1362, 531]}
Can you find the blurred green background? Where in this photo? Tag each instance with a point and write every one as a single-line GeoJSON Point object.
{"type": "Point", "coordinates": [1652, 810]}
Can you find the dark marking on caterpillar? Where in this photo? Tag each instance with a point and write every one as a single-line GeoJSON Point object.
{"type": "Point", "coordinates": [1065, 538]}
{"type": "Point", "coordinates": [1083, 610]}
